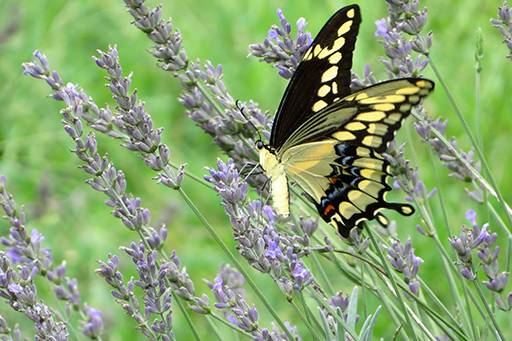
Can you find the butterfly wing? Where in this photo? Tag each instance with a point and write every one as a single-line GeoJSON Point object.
{"type": "Point", "coordinates": [335, 156]}
{"type": "Point", "coordinates": [322, 77]}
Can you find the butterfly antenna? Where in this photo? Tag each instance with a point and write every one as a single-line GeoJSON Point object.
{"type": "Point", "coordinates": [252, 171]}
{"type": "Point", "coordinates": [241, 109]}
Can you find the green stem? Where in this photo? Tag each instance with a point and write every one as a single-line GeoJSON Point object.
{"type": "Point", "coordinates": [324, 276]}
{"type": "Point", "coordinates": [214, 328]}
{"type": "Point", "coordinates": [473, 142]}
{"type": "Point", "coordinates": [187, 317]}
{"type": "Point", "coordinates": [410, 328]}
{"type": "Point", "coordinates": [308, 315]}
{"type": "Point", "coordinates": [221, 320]}
{"type": "Point", "coordinates": [499, 334]}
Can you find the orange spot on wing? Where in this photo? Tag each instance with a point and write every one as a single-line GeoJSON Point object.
{"type": "Point", "coordinates": [329, 209]}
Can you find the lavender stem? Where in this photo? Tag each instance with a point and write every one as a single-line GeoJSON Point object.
{"type": "Point", "coordinates": [409, 327]}
{"type": "Point", "coordinates": [497, 330]}
{"type": "Point", "coordinates": [492, 188]}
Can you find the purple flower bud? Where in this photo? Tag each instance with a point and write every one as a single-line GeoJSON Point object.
{"type": "Point", "coordinates": [467, 273]}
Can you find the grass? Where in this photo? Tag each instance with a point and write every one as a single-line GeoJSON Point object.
{"type": "Point", "coordinates": [44, 176]}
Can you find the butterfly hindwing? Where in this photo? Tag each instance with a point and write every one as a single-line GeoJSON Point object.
{"type": "Point", "coordinates": [338, 161]}
{"type": "Point", "coordinates": [347, 183]}
{"type": "Point", "coordinates": [323, 75]}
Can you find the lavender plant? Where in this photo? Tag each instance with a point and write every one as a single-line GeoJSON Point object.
{"type": "Point", "coordinates": [504, 24]}
{"type": "Point", "coordinates": [24, 259]}
{"type": "Point", "coordinates": [298, 255]}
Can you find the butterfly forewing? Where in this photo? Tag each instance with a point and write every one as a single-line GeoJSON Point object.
{"type": "Point", "coordinates": [322, 77]}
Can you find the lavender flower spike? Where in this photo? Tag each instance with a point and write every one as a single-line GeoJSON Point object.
{"type": "Point", "coordinates": [26, 250]}
{"type": "Point", "coordinates": [258, 240]}
{"type": "Point", "coordinates": [18, 289]}
{"type": "Point", "coordinates": [403, 260]}
{"type": "Point", "coordinates": [279, 47]}
{"type": "Point", "coordinates": [400, 34]}
{"type": "Point", "coordinates": [504, 24]}
{"type": "Point", "coordinates": [482, 241]}
{"type": "Point", "coordinates": [230, 297]}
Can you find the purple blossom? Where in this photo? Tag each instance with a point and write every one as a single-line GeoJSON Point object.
{"type": "Point", "coordinates": [227, 288]}
{"type": "Point", "coordinates": [481, 241]}
{"type": "Point", "coordinates": [504, 24]}
{"type": "Point", "coordinates": [25, 249]}
{"type": "Point", "coordinates": [404, 260]}
{"type": "Point", "coordinates": [280, 48]}
{"type": "Point", "coordinates": [405, 176]}
{"type": "Point", "coordinates": [301, 275]}
{"type": "Point", "coordinates": [400, 34]}
{"type": "Point", "coordinates": [458, 169]}
{"type": "Point", "coordinates": [254, 229]}
{"type": "Point", "coordinates": [93, 328]}
{"type": "Point", "coordinates": [18, 290]}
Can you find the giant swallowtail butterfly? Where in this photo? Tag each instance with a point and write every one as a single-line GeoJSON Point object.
{"type": "Point", "coordinates": [329, 140]}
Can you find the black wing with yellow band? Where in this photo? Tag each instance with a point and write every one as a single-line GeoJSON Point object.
{"type": "Point", "coordinates": [322, 77]}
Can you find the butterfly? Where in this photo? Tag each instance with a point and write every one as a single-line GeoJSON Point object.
{"type": "Point", "coordinates": [329, 140]}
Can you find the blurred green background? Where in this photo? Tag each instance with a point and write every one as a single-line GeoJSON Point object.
{"type": "Point", "coordinates": [43, 174]}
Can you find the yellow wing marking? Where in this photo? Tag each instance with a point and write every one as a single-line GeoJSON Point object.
{"type": "Point", "coordinates": [355, 126]}
{"type": "Point", "coordinates": [330, 74]}
{"type": "Point", "coordinates": [372, 141]}
{"type": "Point", "coordinates": [371, 187]}
{"type": "Point", "coordinates": [393, 118]}
{"type": "Point", "coordinates": [410, 90]}
{"type": "Point", "coordinates": [383, 99]}
{"type": "Point", "coordinates": [377, 129]}
{"type": "Point", "coordinates": [360, 199]}
{"type": "Point", "coordinates": [369, 163]}
{"type": "Point", "coordinates": [371, 116]}
{"type": "Point", "coordinates": [334, 88]}
{"type": "Point", "coordinates": [344, 136]}
{"type": "Point", "coordinates": [384, 106]}
{"type": "Point", "coordinates": [319, 105]}
{"type": "Point", "coordinates": [347, 210]}
{"type": "Point", "coordinates": [338, 44]}
{"type": "Point", "coordinates": [335, 58]}
{"type": "Point", "coordinates": [345, 28]}
{"type": "Point", "coordinates": [371, 174]}
{"type": "Point", "coordinates": [324, 90]}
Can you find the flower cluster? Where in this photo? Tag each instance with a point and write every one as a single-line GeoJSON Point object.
{"type": "Point", "coordinates": [156, 321]}
{"type": "Point", "coordinates": [400, 34]}
{"type": "Point", "coordinates": [254, 228]}
{"type": "Point", "coordinates": [280, 48]}
{"type": "Point", "coordinates": [130, 122]}
{"type": "Point", "coordinates": [504, 23]}
{"type": "Point", "coordinates": [18, 289]}
{"type": "Point", "coordinates": [481, 240]}
{"type": "Point", "coordinates": [339, 303]}
{"type": "Point", "coordinates": [403, 260]}
{"type": "Point", "coordinates": [167, 49]}
{"type": "Point", "coordinates": [458, 169]}
{"type": "Point", "coordinates": [205, 96]}
{"type": "Point", "coordinates": [131, 119]}
{"type": "Point", "coordinates": [230, 297]}
{"type": "Point", "coordinates": [25, 250]}
{"type": "Point", "coordinates": [405, 176]}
